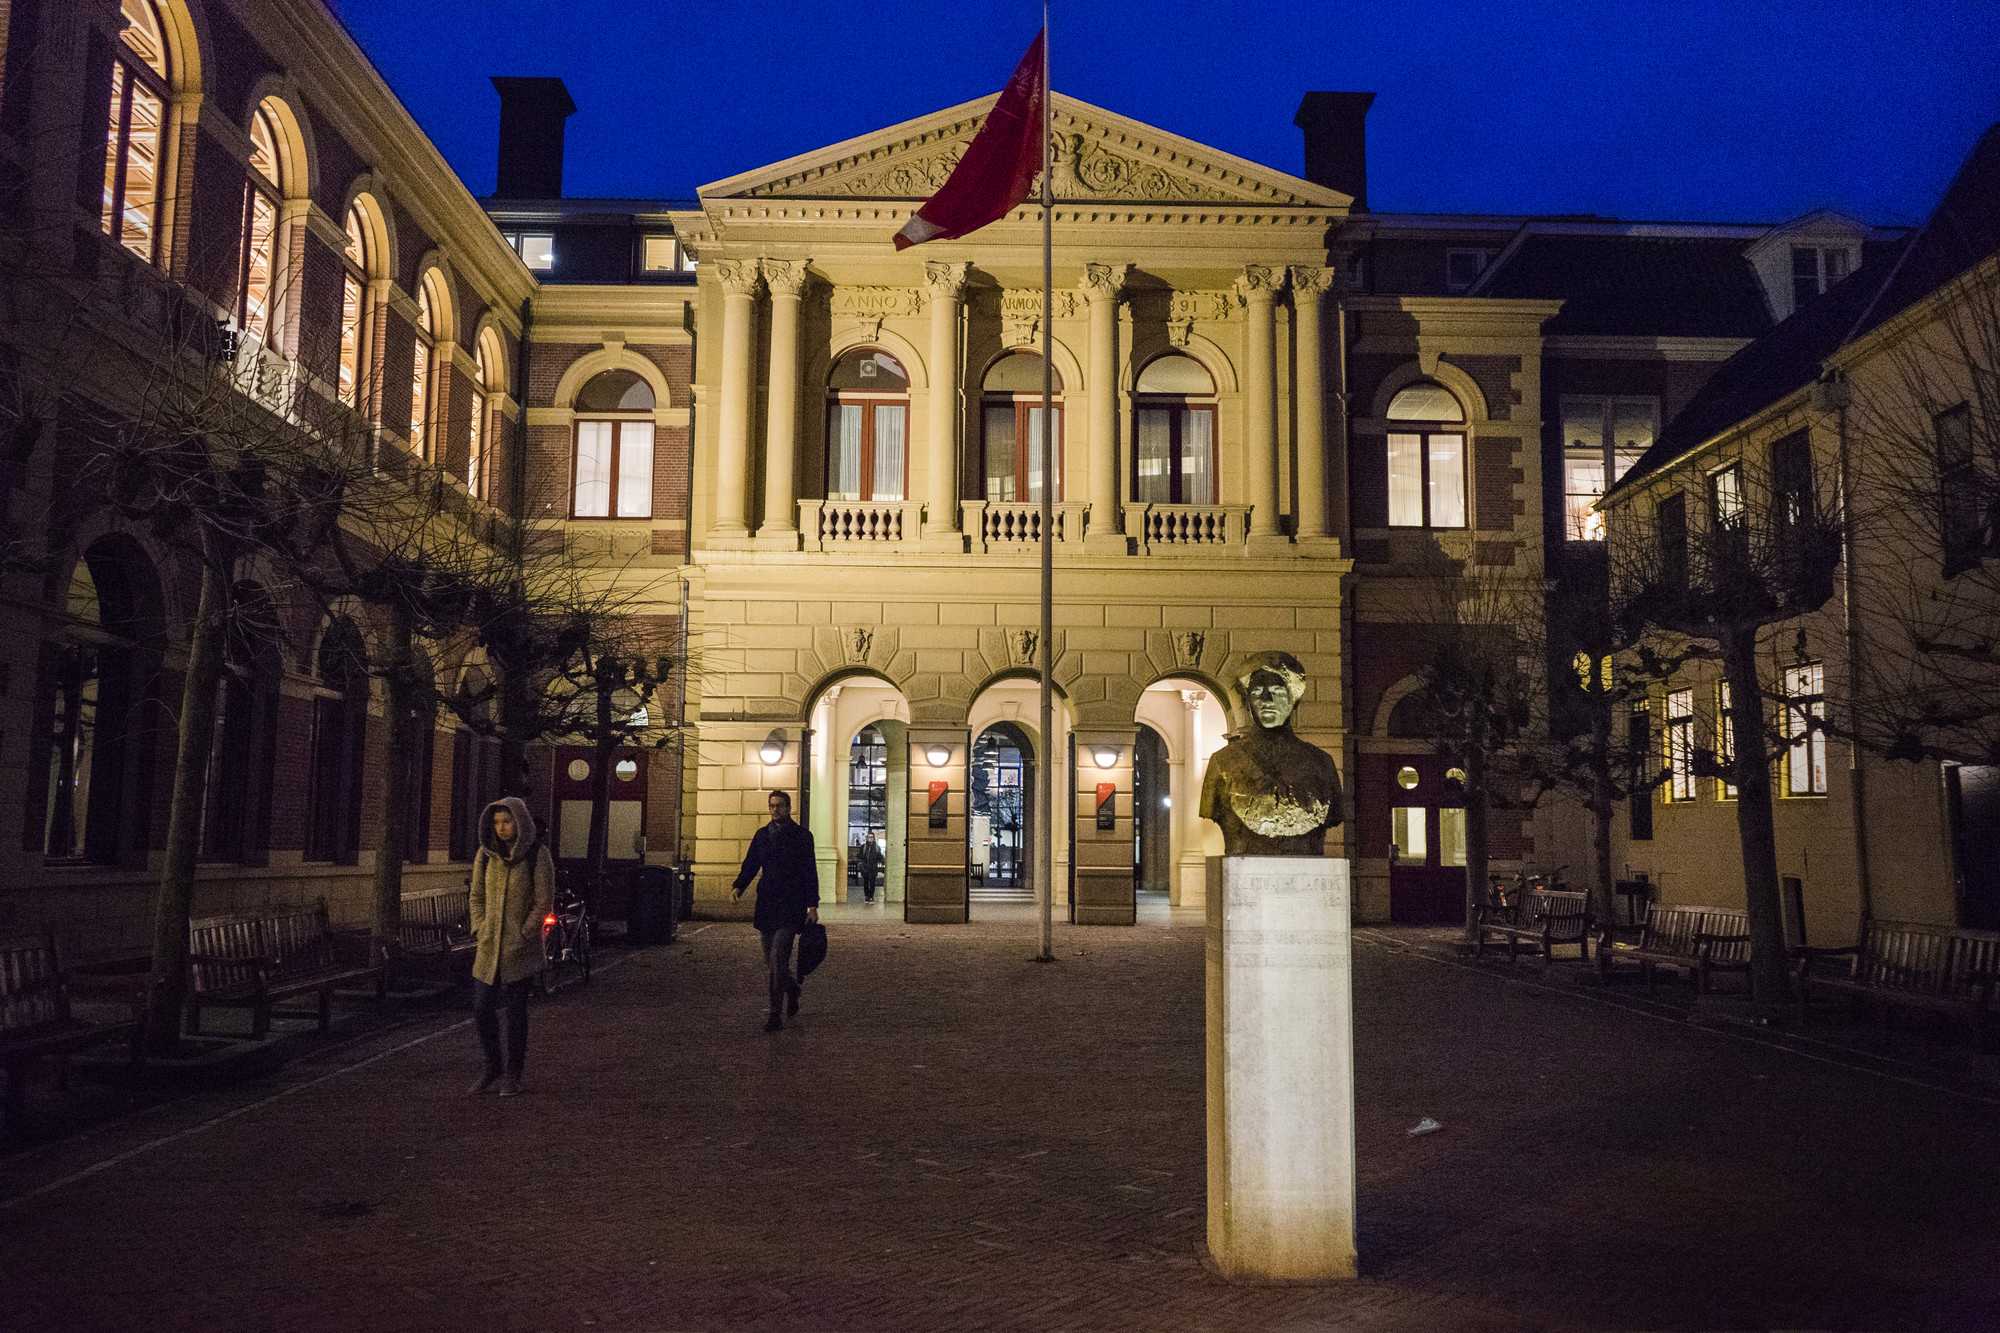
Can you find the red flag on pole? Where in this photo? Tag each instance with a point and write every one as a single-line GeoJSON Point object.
{"type": "Point", "coordinates": [999, 164]}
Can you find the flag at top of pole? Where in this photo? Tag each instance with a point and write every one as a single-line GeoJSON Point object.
{"type": "Point", "coordinates": [999, 165]}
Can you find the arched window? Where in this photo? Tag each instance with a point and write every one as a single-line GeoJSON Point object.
{"type": "Point", "coordinates": [1173, 418]}
{"type": "Point", "coordinates": [135, 135]}
{"type": "Point", "coordinates": [488, 379]}
{"type": "Point", "coordinates": [1011, 434]}
{"type": "Point", "coordinates": [258, 256]}
{"type": "Point", "coordinates": [96, 762]}
{"type": "Point", "coordinates": [356, 267]}
{"type": "Point", "coordinates": [613, 463]}
{"type": "Point", "coordinates": [475, 762]}
{"type": "Point", "coordinates": [1426, 458]}
{"type": "Point", "coordinates": [339, 738]}
{"type": "Point", "coordinates": [423, 366]}
{"type": "Point", "coordinates": [237, 809]}
{"type": "Point", "coordinates": [867, 427]}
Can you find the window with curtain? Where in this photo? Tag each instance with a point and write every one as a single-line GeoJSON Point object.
{"type": "Point", "coordinates": [258, 259]}
{"type": "Point", "coordinates": [1805, 712]}
{"type": "Point", "coordinates": [135, 133]}
{"type": "Point", "coordinates": [1427, 458]}
{"type": "Point", "coordinates": [421, 365]}
{"type": "Point", "coordinates": [1012, 430]}
{"type": "Point", "coordinates": [867, 427]}
{"type": "Point", "coordinates": [613, 460]}
{"type": "Point", "coordinates": [353, 305]}
{"type": "Point", "coordinates": [1600, 436]}
{"type": "Point", "coordinates": [1174, 446]}
{"type": "Point", "coordinates": [1680, 745]}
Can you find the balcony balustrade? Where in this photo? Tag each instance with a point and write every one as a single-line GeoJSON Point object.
{"type": "Point", "coordinates": [1017, 525]}
{"type": "Point", "coordinates": [1171, 528]}
{"type": "Point", "coordinates": [841, 525]}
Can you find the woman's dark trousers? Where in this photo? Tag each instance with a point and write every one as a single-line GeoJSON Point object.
{"type": "Point", "coordinates": [487, 1002]}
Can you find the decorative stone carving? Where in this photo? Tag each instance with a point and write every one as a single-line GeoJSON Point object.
{"type": "Point", "coordinates": [786, 277]}
{"type": "Point", "coordinates": [1018, 304]}
{"type": "Point", "coordinates": [1187, 645]}
{"type": "Point", "coordinates": [1022, 645]}
{"type": "Point", "coordinates": [1309, 284]}
{"type": "Point", "coordinates": [1259, 282]}
{"type": "Point", "coordinates": [856, 644]}
{"type": "Point", "coordinates": [945, 280]}
{"type": "Point", "coordinates": [1103, 282]}
{"type": "Point", "coordinates": [739, 277]}
{"type": "Point", "coordinates": [876, 302]}
{"type": "Point", "coordinates": [1185, 309]}
{"type": "Point", "coordinates": [1272, 793]}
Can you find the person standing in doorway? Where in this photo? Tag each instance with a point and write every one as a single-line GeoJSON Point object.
{"type": "Point", "coordinates": [871, 867]}
{"type": "Point", "coordinates": [787, 898]}
{"type": "Point", "coordinates": [513, 888]}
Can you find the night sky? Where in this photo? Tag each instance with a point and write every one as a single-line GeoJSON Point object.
{"type": "Point", "coordinates": [1749, 110]}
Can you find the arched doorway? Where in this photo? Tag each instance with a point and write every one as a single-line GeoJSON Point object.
{"type": "Point", "coordinates": [1180, 722]}
{"type": "Point", "coordinates": [1002, 786]}
{"type": "Point", "coordinates": [857, 786]}
{"type": "Point", "coordinates": [877, 788]}
{"type": "Point", "coordinates": [1152, 818]}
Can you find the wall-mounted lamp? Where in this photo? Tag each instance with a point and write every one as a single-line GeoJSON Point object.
{"type": "Point", "coordinates": [773, 749]}
{"type": "Point", "coordinates": [939, 755]}
{"type": "Point", "coordinates": [1105, 755]}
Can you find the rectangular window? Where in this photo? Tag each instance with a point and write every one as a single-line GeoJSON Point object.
{"type": "Point", "coordinates": [1725, 741]}
{"type": "Point", "coordinates": [1154, 483]}
{"type": "Point", "coordinates": [843, 454]}
{"type": "Point", "coordinates": [867, 450]}
{"type": "Point", "coordinates": [1680, 745]}
{"type": "Point", "coordinates": [1725, 497]}
{"type": "Point", "coordinates": [475, 447]}
{"type": "Point", "coordinates": [1671, 522]}
{"type": "Point", "coordinates": [656, 254]}
{"type": "Point", "coordinates": [259, 262]}
{"type": "Point", "coordinates": [538, 251]}
{"type": "Point", "coordinates": [1406, 481]}
{"type": "Point", "coordinates": [132, 162]}
{"type": "Point", "coordinates": [1426, 481]}
{"type": "Point", "coordinates": [1791, 484]}
{"type": "Point", "coordinates": [887, 481]}
{"type": "Point", "coordinates": [1451, 836]}
{"type": "Point", "coordinates": [351, 304]}
{"type": "Point", "coordinates": [420, 407]}
{"type": "Point", "coordinates": [1446, 466]}
{"type": "Point", "coordinates": [1961, 522]}
{"type": "Point", "coordinates": [1463, 267]}
{"type": "Point", "coordinates": [1407, 831]}
{"type": "Point", "coordinates": [1002, 463]}
{"type": "Point", "coordinates": [633, 462]}
{"type": "Point", "coordinates": [1805, 709]}
{"type": "Point", "coordinates": [593, 469]}
{"type": "Point", "coordinates": [1588, 423]}
{"type": "Point", "coordinates": [1175, 455]}
{"type": "Point", "coordinates": [1805, 274]}
{"type": "Point", "coordinates": [1639, 749]}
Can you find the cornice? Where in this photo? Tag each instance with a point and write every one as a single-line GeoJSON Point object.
{"type": "Point", "coordinates": [1645, 348]}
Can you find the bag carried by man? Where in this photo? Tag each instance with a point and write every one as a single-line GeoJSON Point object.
{"type": "Point", "coordinates": [812, 948]}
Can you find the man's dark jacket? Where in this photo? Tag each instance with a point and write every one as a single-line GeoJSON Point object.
{"type": "Point", "coordinates": [784, 853]}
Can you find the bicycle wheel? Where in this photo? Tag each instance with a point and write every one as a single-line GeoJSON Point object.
{"type": "Point", "coordinates": [580, 945]}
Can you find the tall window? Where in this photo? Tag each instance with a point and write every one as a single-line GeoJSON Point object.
{"type": "Point", "coordinates": [1805, 710]}
{"type": "Point", "coordinates": [867, 427]}
{"type": "Point", "coordinates": [339, 740]}
{"type": "Point", "coordinates": [1725, 741]}
{"type": "Point", "coordinates": [1012, 429]}
{"type": "Point", "coordinates": [354, 266]}
{"type": "Point", "coordinates": [613, 465]}
{"type": "Point", "coordinates": [1729, 521]}
{"type": "Point", "coordinates": [1961, 490]}
{"type": "Point", "coordinates": [1680, 745]}
{"type": "Point", "coordinates": [1426, 459]}
{"type": "Point", "coordinates": [135, 133]}
{"type": "Point", "coordinates": [1670, 522]}
{"type": "Point", "coordinates": [238, 801]}
{"type": "Point", "coordinates": [1791, 485]}
{"type": "Point", "coordinates": [257, 256]}
{"type": "Point", "coordinates": [422, 364]}
{"type": "Point", "coordinates": [1174, 459]}
{"type": "Point", "coordinates": [482, 407]}
{"type": "Point", "coordinates": [1600, 435]}
{"type": "Point", "coordinates": [1815, 269]}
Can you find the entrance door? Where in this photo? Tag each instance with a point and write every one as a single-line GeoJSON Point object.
{"type": "Point", "coordinates": [867, 812]}
{"type": "Point", "coordinates": [1152, 813]}
{"type": "Point", "coordinates": [1427, 837]}
{"type": "Point", "coordinates": [1002, 822]}
{"type": "Point", "coordinates": [571, 835]}
{"type": "Point", "coordinates": [1974, 796]}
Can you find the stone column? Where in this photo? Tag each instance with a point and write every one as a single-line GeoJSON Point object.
{"type": "Point", "coordinates": [1257, 289]}
{"type": "Point", "coordinates": [944, 288]}
{"type": "Point", "coordinates": [740, 280]}
{"type": "Point", "coordinates": [1101, 286]}
{"type": "Point", "coordinates": [1309, 286]}
{"type": "Point", "coordinates": [786, 279]}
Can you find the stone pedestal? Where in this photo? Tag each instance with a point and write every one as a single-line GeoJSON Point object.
{"type": "Point", "coordinates": [1281, 1070]}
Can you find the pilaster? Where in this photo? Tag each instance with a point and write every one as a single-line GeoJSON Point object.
{"type": "Point", "coordinates": [1102, 284]}
{"type": "Point", "coordinates": [944, 289]}
{"type": "Point", "coordinates": [1257, 290]}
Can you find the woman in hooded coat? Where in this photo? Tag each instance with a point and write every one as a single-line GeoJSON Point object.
{"type": "Point", "coordinates": [513, 888]}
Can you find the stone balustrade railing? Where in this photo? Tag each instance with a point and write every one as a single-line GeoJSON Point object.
{"type": "Point", "coordinates": [1170, 527]}
{"type": "Point", "coordinates": [846, 524]}
{"type": "Point", "coordinates": [994, 525]}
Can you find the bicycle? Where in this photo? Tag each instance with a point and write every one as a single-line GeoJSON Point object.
{"type": "Point", "coordinates": [568, 931]}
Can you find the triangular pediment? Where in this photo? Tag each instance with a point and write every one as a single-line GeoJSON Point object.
{"type": "Point", "coordinates": [1098, 155]}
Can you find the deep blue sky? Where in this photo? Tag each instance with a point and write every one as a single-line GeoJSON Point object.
{"type": "Point", "coordinates": [1701, 109]}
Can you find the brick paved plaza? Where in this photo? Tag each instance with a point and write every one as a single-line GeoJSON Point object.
{"type": "Point", "coordinates": [955, 1137]}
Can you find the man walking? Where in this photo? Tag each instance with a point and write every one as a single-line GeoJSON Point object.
{"type": "Point", "coordinates": [871, 867]}
{"type": "Point", "coordinates": [787, 898]}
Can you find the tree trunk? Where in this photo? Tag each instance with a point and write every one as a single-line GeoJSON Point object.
{"type": "Point", "coordinates": [517, 709]}
{"type": "Point", "coordinates": [1478, 853]}
{"type": "Point", "coordinates": [406, 712]}
{"type": "Point", "coordinates": [597, 853]}
{"type": "Point", "coordinates": [1602, 802]}
{"type": "Point", "coordinates": [1755, 831]}
{"type": "Point", "coordinates": [173, 901]}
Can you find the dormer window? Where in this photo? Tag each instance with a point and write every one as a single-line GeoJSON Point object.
{"type": "Point", "coordinates": [1815, 270]}
{"type": "Point", "coordinates": [1462, 267]}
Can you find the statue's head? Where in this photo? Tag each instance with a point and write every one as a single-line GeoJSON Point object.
{"type": "Point", "coordinates": [1272, 683]}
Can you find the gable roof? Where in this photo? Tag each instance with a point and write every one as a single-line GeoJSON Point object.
{"type": "Point", "coordinates": [1656, 286]}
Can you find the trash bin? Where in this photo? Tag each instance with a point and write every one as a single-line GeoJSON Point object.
{"type": "Point", "coordinates": [650, 919]}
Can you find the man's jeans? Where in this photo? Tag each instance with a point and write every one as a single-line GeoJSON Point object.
{"type": "Point", "coordinates": [486, 1004]}
{"type": "Point", "coordinates": [778, 960]}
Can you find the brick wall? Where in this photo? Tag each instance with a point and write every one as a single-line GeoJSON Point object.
{"type": "Point", "coordinates": [1497, 471]}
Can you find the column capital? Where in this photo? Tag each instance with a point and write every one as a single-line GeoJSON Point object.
{"type": "Point", "coordinates": [739, 277]}
{"type": "Point", "coordinates": [1104, 282]}
{"type": "Point", "coordinates": [786, 277]}
{"type": "Point", "coordinates": [1310, 282]}
{"type": "Point", "coordinates": [1259, 282]}
{"type": "Point", "coordinates": [944, 280]}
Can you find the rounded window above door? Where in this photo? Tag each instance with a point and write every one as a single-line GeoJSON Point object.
{"type": "Point", "coordinates": [1406, 778]}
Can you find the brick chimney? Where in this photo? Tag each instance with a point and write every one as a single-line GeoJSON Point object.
{"type": "Point", "coordinates": [1336, 133]}
{"type": "Point", "coordinates": [532, 112]}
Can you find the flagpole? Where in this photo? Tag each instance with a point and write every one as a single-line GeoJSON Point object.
{"type": "Point", "coordinates": [1046, 795]}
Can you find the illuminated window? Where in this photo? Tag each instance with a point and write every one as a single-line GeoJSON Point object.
{"type": "Point", "coordinates": [257, 256]}
{"type": "Point", "coordinates": [482, 406]}
{"type": "Point", "coordinates": [135, 132]}
{"type": "Point", "coordinates": [1426, 459]}
{"type": "Point", "coordinates": [1174, 420]}
{"type": "Point", "coordinates": [354, 260]}
{"type": "Point", "coordinates": [664, 254]}
{"type": "Point", "coordinates": [422, 364]}
{"type": "Point", "coordinates": [867, 420]}
{"type": "Point", "coordinates": [1805, 711]}
{"type": "Point", "coordinates": [538, 251]}
{"type": "Point", "coordinates": [1725, 741]}
{"type": "Point", "coordinates": [613, 458]}
{"type": "Point", "coordinates": [1680, 745]}
{"type": "Point", "coordinates": [1011, 435]}
{"type": "Point", "coordinates": [1588, 423]}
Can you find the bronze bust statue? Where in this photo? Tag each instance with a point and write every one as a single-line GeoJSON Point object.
{"type": "Point", "coordinates": [1272, 793]}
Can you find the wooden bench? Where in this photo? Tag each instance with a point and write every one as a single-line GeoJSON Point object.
{"type": "Point", "coordinates": [254, 960]}
{"type": "Point", "coordinates": [1902, 963]}
{"type": "Point", "coordinates": [1700, 940]}
{"type": "Point", "coordinates": [1544, 919]}
{"type": "Point", "coordinates": [436, 934]}
{"type": "Point", "coordinates": [35, 1018]}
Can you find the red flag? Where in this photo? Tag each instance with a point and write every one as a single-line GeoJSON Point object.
{"type": "Point", "coordinates": [999, 164]}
